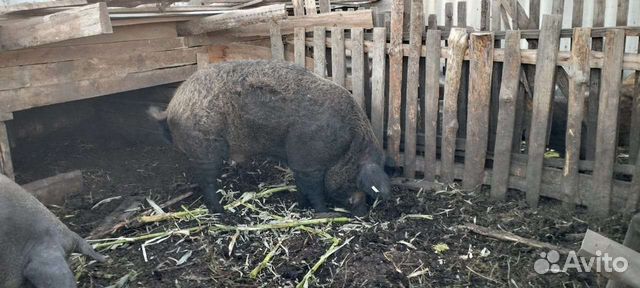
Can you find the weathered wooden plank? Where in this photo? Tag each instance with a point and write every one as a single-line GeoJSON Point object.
{"type": "Point", "coordinates": [310, 7]}
{"type": "Point", "coordinates": [319, 51]}
{"type": "Point", "coordinates": [233, 19]}
{"type": "Point", "coordinates": [74, 52]}
{"type": "Point", "coordinates": [594, 85]}
{"type": "Point", "coordinates": [578, 10]}
{"type": "Point", "coordinates": [92, 68]}
{"type": "Point", "coordinates": [578, 77]}
{"type": "Point", "coordinates": [202, 60]}
{"type": "Point", "coordinates": [462, 14]}
{"type": "Point", "coordinates": [557, 7]}
{"type": "Point", "coordinates": [534, 15]}
{"type": "Point", "coordinates": [78, 22]}
{"type": "Point", "coordinates": [54, 190]}
{"type": "Point", "coordinates": [605, 153]}
{"type": "Point", "coordinates": [240, 52]}
{"type": "Point", "coordinates": [458, 47]}
{"type": "Point", "coordinates": [325, 6]}
{"type": "Point", "coordinates": [506, 116]}
{"type": "Point", "coordinates": [495, 16]}
{"type": "Point", "coordinates": [40, 5]}
{"type": "Point", "coordinates": [416, 26]}
{"type": "Point", "coordinates": [622, 13]}
{"type": "Point", "coordinates": [124, 33]}
{"type": "Point", "coordinates": [481, 65]}
{"type": "Point", "coordinates": [298, 46]}
{"type": "Point", "coordinates": [594, 246]}
{"type": "Point", "coordinates": [485, 15]}
{"type": "Point", "coordinates": [298, 7]}
{"type": "Point", "coordinates": [377, 82]}
{"type": "Point", "coordinates": [634, 142]}
{"type": "Point", "coordinates": [25, 98]}
{"type": "Point", "coordinates": [395, 81]}
{"type": "Point", "coordinates": [543, 94]}
{"type": "Point", "coordinates": [432, 22]}
{"type": "Point", "coordinates": [277, 47]}
{"type": "Point", "coordinates": [6, 164]}
{"type": "Point", "coordinates": [5, 116]}
{"type": "Point", "coordinates": [448, 16]}
{"type": "Point", "coordinates": [357, 66]}
{"type": "Point", "coordinates": [432, 96]}
{"type": "Point", "coordinates": [338, 68]}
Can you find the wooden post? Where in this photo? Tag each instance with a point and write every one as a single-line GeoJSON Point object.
{"type": "Point", "coordinates": [395, 81]}
{"type": "Point", "coordinates": [457, 48]}
{"type": "Point", "coordinates": [68, 24]}
{"type": "Point", "coordinates": [338, 73]}
{"type": "Point", "coordinates": [631, 241]}
{"type": "Point", "coordinates": [277, 47]}
{"type": "Point", "coordinates": [485, 15]}
{"type": "Point", "coordinates": [432, 100]}
{"type": "Point", "coordinates": [596, 246]}
{"type": "Point", "coordinates": [480, 67]}
{"type": "Point", "coordinates": [594, 84]}
{"type": "Point", "coordinates": [6, 165]}
{"type": "Point", "coordinates": [310, 7]}
{"type": "Point", "coordinates": [413, 74]}
{"type": "Point", "coordinates": [448, 16]}
{"type": "Point", "coordinates": [608, 121]}
{"type": "Point", "coordinates": [578, 78]}
{"type": "Point", "coordinates": [357, 66]}
{"type": "Point", "coordinates": [377, 82]}
{"type": "Point", "coordinates": [299, 46]}
{"type": "Point", "coordinates": [233, 19]}
{"type": "Point", "coordinates": [298, 7]}
{"type": "Point", "coordinates": [506, 116]}
{"type": "Point", "coordinates": [319, 51]}
{"type": "Point", "coordinates": [547, 55]}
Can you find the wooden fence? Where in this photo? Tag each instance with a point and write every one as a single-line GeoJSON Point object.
{"type": "Point", "coordinates": [495, 95]}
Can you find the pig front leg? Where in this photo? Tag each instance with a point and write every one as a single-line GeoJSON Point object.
{"type": "Point", "coordinates": [311, 188]}
{"type": "Point", "coordinates": [48, 267]}
{"type": "Point", "coordinates": [206, 175]}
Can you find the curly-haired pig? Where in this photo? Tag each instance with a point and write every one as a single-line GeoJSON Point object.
{"type": "Point", "coordinates": [34, 244]}
{"type": "Point", "coordinates": [236, 110]}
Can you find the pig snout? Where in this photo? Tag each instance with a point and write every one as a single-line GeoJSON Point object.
{"type": "Point", "coordinates": [373, 180]}
{"type": "Point", "coordinates": [358, 204]}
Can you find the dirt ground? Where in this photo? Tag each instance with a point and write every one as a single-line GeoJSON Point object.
{"type": "Point", "coordinates": [386, 249]}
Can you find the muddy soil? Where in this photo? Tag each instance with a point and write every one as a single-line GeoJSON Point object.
{"type": "Point", "coordinates": [383, 250]}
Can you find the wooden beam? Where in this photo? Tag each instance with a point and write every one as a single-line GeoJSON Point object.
{"type": "Point", "coordinates": [606, 251]}
{"type": "Point", "coordinates": [25, 98]}
{"type": "Point", "coordinates": [125, 33]}
{"type": "Point", "coordinates": [245, 51]}
{"type": "Point", "coordinates": [416, 25]}
{"type": "Point", "coordinates": [506, 116]}
{"type": "Point", "coordinates": [458, 46]}
{"type": "Point", "coordinates": [40, 5]}
{"type": "Point", "coordinates": [543, 94]}
{"type": "Point", "coordinates": [74, 23]}
{"type": "Point", "coordinates": [377, 82]}
{"type": "Point", "coordinates": [578, 89]}
{"type": "Point", "coordinates": [431, 102]}
{"type": "Point", "coordinates": [395, 81]}
{"type": "Point", "coordinates": [54, 190]}
{"type": "Point", "coordinates": [608, 120]}
{"type": "Point", "coordinates": [233, 19]}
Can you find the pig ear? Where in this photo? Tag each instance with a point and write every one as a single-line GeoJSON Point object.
{"type": "Point", "coordinates": [49, 269]}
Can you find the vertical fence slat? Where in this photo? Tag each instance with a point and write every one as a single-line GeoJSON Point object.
{"type": "Point", "coordinates": [543, 93]}
{"type": "Point", "coordinates": [432, 21]}
{"type": "Point", "coordinates": [534, 14]}
{"type": "Point", "coordinates": [576, 18]}
{"type": "Point", "coordinates": [462, 14]}
{"type": "Point", "coordinates": [395, 81]}
{"type": "Point", "coordinates": [416, 26]}
{"type": "Point", "coordinates": [377, 82]}
{"type": "Point", "coordinates": [337, 56]}
{"type": "Point", "coordinates": [457, 48]}
{"type": "Point", "coordinates": [480, 67]}
{"type": "Point", "coordinates": [6, 165]}
{"type": "Point", "coordinates": [277, 47]}
{"type": "Point", "coordinates": [298, 7]}
{"type": "Point", "coordinates": [607, 121]}
{"type": "Point", "coordinates": [299, 46]}
{"type": "Point", "coordinates": [485, 15]}
{"type": "Point", "coordinates": [495, 15]}
{"type": "Point", "coordinates": [594, 84]}
{"type": "Point", "coordinates": [622, 12]}
{"type": "Point", "coordinates": [357, 65]}
{"type": "Point", "coordinates": [325, 6]}
{"type": "Point", "coordinates": [432, 99]}
{"type": "Point", "coordinates": [448, 16]}
{"type": "Point", "coordinates": [202, 59]}
{"type": "Point", "coordinates": [506, 116]}
{"type": "Point", "coordinates": [634, 142]}
{"type": "Point", "coordinates": [557, 7]}
{"type": "Point", "coordinates": [310, 7]}
{"type": "Point", "coordinates": [578, 78]}
{"type": "Point", "coordinates": [319, 51]}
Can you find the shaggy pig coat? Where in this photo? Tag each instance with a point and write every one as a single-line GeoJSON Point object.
{"type": "Point", "coordinates": [240, 109]}
{"type": "Point", "coordinates": [34, 244]}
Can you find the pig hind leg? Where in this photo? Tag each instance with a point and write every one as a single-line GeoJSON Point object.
{"type": "Point", "coordinates": [206, 170]}
{"type": "Point", "coordinates": [311, 188]}
{"type": "Point", "coordinates": [48, 268]}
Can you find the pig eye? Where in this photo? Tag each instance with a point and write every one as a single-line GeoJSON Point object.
{"type": "Point", "coordinates": [375, 189]}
